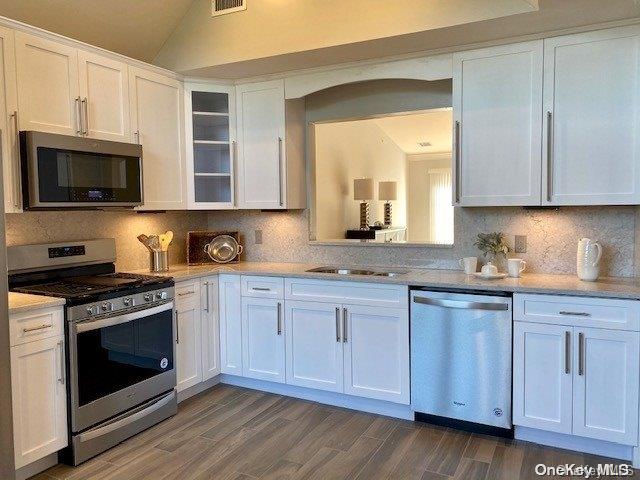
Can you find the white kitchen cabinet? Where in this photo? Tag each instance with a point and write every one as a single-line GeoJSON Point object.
{"type": "Point", "coordinates": [188, 334]}
{"type": "Point", "coordinates": [230, 307]}
{"type": "Point", "coordinates": [157, 110]}
{"type": "Point", "coordinates": [376, 352]}
{"type": "Point", "coordinates": [591, 153]}
{"type": "Point", "coordinates": [210, 131]}
{"type": "Point", "coordinates": [497, 97]}
{"type": "Point", "coordinates": [39, 399]}
{"type": "Point", "coordinates": [314, 345]}
{"type": "Point", "coordinates": [9, 123]}
{"type": "Point", "coordinates": [605, 402]}
{"type": "Point", "coordinates": [542, 376]}
{"type": "Point", "coordinates": [104, 97]}
{"type": "Point", "coordinates": [48, 92]}
{"type": "Point", "coordinates": [210, 328]}
{"type": "Point", "coordinates": [263, 346]}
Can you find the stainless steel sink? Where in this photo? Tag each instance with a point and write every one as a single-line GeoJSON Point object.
{"type": "Point", "coordinates": [356, 271]}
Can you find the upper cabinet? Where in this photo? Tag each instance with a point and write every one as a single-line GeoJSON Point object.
{"type": "Point", "coordinates": [210, 130]}
{"type": "Point", "coordinates": [157, 109]}
{"type": "Point", "coordinates": [104, 97]}
{"type": "Point", "coordinates": [592, 118]}
{"type": "Point", "coordinates": [497, 93]}
{"type": "Point", "coordinates": [48, 91]}
{"type": "Point", "coordinates": [270, 147]}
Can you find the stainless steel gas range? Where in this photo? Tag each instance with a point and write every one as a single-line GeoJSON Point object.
{"type": "Point", "coordinates": [120, 347]}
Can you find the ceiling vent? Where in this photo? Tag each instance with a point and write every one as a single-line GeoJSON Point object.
{"type": "Point", "coordinates": [222, 7]}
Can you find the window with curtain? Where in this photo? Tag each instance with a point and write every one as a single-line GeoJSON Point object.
{"type": "Point", "coordinates": [440, 207]}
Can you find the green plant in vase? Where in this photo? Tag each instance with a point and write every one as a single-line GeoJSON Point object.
{"type": "Point", "coordinates": [493, 246]}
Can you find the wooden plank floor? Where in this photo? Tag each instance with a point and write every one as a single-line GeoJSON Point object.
{"type": "Point", "coordinates": [230, 433]}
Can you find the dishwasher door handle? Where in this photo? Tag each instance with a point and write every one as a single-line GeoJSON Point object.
{"type": "Point", "coordinates": [461, 304]}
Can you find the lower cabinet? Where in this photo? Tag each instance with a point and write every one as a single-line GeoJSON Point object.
{"type": "Point", "coordinates": [39, 393]}
{"type": "Point", "coordinates": [575, 379]}
{"type": "Point", "coordinates": [210, 327]}
{"type": "Point", "coordinates": [230, 306]}
{"type": "Point", "coordinates": [263, 344]}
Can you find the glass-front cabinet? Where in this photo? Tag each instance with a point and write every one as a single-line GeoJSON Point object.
{"type": "Point", "coordinates": [211, 146]}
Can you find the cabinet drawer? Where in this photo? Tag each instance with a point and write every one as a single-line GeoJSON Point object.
{"type": "Point", "coordinates": [353, 293]}
{"type": "Point", "coordinates": [264, 287]}
{"type": "Point", "coordinates": [578, 311]}
{"type": "Point", "coordinates": [35, 325]}
{"type": "Point", "coordinates": [187, 292]}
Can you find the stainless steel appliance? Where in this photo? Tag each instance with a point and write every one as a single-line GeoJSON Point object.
{"type": "Point", "coordinates": [62, 171]}
{"type": "Point", "coordinates": [120, 340]}
{"type": "Point", "coordinates": [461, 359]}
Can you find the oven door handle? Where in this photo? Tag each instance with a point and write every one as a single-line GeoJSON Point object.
{"type": "Point", "coordinates": [89, 325]}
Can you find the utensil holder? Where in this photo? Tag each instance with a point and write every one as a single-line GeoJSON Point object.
{"type": "Point", "coordinates": [159, 261]}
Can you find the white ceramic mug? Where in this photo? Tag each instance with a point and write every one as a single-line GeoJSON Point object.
{"type": "Point", "coordinates": [469, 265]}
{"type": "Point", "coordinates": [489, 269]}
{"type": "Point", "coordinates": [516, 266]}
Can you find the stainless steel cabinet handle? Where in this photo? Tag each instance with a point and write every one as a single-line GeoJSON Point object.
{"type": "Point", "coordinates": [345, 314]}
{"type": "Point", "coordinates": [280, 201]}
{"type": "Point", "coordinates": [39, 327]}
{"type": "Point", "coordinates": [574, 314]}
{"type": "Point", "coordinates": [78, 117]}
{"type": "Point", "coordinates": [234, 162]}
{"type": "Point", "coordinates": [261, 289]}
{"type": "Point", "coordinates": [85, 111]}
{"type": "Point", "coordinates": [190, 292]}
{"type": "Point", "coordinates": [279, 318]}
{"type": "Point", "coordinates": [338, 324]}
{"type": "Point", "coordinates": [137, 135]}
{"type": "Point", "coordinates": [458, 174]}
{"type": "Point", "coordinates": [580, 353]}
{"type": "Point", "coordinates": [177, 327]}
{"type": "Point", "coordinates": [549, 155]}
{"type": "Point", "coordinates": [16, 162]}
{"type": "Point", "coordinates": [567, 352]}
{"type": "Point", "coordinates": [206, 286]}
{"type": "Point", "coordinates": [61, 378]}
{"type": "Point", "coordinates": [441, 302]}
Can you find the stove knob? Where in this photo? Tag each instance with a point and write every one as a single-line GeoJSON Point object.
{"type": "Point", "coordinates": [161, 295]}
{"type": "Point", "coordinates": [148, 297]}
{"type": "Point", "coordinates": [92, 310]}
{"type": "Point", "coordinates": [107, 307]}
{"type": "Point", "coordinates": [128, 302]}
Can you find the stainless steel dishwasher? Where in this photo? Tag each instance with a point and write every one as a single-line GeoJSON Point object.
{"type": "Point", "coordinates": [461, 360]}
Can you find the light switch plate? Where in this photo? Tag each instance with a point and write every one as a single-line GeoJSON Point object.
{"type": "Point", "coordinates": [257, 238]}
{"type": "Point", "coordinates": [520, 244]}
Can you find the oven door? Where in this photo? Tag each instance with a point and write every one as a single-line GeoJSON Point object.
{"type": "Point", "coordinates": [118, 362]}
{"type": "Point", "coordinates": [64, 171]}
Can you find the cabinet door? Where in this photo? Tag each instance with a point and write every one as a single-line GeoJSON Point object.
{"type": "Point", "coordinates": [48, 95]}
{"type": "Point", "coordinates": [8, 123]}
{"type": "Point", "coordinates": [210, 328]}
{"type": "Point", "coordinates": [230, 304]}
{"type": "Point", "coordinates": [592, 118]}
{"type": "Point", "coordinates": [314, 346]}
{"type": "Point", "coordinates": [188, 344]}
{"type": "Point", "coordinates": [605, 401]}
{"type": "Point", "coordinates": [156, 120]}
{"type": "Point", "coordinates": [376, 353]}
{"type": "Point", "coordinates": [497, 99]}
{"type": "Point", "coordinates": [104, 92]}
{"type": "Point", "coordinates": [263, 339]}
{"type": "Point", "coordinates": [261, 130]}
{"type": "Point", "coordinates": [542, 376]}
{"type": "Point", "coordinates": [39, 399]}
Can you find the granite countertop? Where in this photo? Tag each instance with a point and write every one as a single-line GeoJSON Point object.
{"type": "Point", "coordinates": [22, 302]}
{"type": "Point", "coordinates": [624, 288]}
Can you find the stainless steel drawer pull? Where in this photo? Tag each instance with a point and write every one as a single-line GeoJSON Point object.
{"type": "Point", "coordinates": [338, 324]}
{"type": "Point", "coordinates": [567, 352]}
{"type": "Point", "coordinates": [39, 327]}
{"type": "Point", "coordinates": [184, 294]}
{"type": "Point", "coordinates": [580, 353]}
{"type": "Point", "coordinates": [206, 286]}
{"type": "Point", "coordinates": [441, 302]}
{"type": "Point", "coordinates": [61, 378]}
{"type": "Point", "coordinates": [574, 314]}
{"type": "Point", "coordinates": [261, 289]}
{"type": "Point", "coordinates": [279, 318]}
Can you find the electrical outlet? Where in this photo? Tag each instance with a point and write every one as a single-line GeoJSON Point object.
{"type": "Point", "coordinates": [520, 244]}
{"type": "Point", "coordinates": [257, 238]}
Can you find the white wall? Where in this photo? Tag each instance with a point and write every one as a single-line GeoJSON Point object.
{"type": "Point", "coordinates": [349, 150]}
{"type": "Point", "coordinates": [418, 192]}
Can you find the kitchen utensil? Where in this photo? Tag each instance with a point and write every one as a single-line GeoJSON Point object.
{"type": "Point", "coordinates": [154, 243]}
{"type": "Point", "coordinates": [165, 240]}
{"type": "Point", "coordinates": [223, 249]}
{"type": "Point", "coordinates": [489, 269]}
{"type": "Point", "coordinates": [490, 276]}
{"type": "Point", "coordinates": [196, 242]}
{"type": "Point", "coordinates": [515, 267]}
{"type": "Point", "coordinates": [144, 240]}
{"type": "Point", "coordinates": [588, 259]}
{"type": "Point", "coordinates": [469, 264]}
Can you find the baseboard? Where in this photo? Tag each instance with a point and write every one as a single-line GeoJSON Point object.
{"type": "Point", "coordinates": [379, 407]}
{"type": "Point", "coordinates": [37, 467]}
{"type": "Point", "coordinates": [572, 442]}
{"type": "Point", "coordinates": [199, 388]}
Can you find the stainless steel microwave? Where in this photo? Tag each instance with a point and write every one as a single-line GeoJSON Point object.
{"type": "Point", "coordinates": [62, 171]}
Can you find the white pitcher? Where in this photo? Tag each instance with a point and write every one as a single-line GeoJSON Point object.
{"type": "Point", "coordinates": [589, 254]}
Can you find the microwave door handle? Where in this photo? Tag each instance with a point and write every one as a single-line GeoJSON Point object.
{"type": "Point", "coordinates": [461, 304]}
{"type": "Point", "coordinates": [88, 325]}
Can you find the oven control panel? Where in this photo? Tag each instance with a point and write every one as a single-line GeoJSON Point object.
{"type": "Point", "coordinates": [120, 305]}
